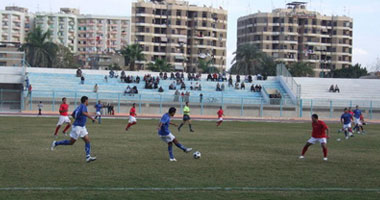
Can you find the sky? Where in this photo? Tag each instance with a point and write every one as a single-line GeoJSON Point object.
{"type": "Point", "coordinates": [366, 15]}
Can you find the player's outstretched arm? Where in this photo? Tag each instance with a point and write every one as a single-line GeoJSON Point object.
{"type": "Point", "coordinates": [89, 116]}
{"type": "Point", "coordinates": [173, 124]}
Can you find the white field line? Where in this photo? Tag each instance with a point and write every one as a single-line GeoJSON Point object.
{"type": "Point", "coordinates": [153, 189]}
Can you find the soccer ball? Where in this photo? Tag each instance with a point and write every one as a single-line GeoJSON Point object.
{"type": "Point", "coordinates": [338, 139]}
{"type": "Point", "coordinates": [197, 155]}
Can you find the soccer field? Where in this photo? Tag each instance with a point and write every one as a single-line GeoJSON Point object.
{"type": "Point", "coordinates": [240, 160]}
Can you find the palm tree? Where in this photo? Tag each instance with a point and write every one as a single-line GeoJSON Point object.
{"type": "Point", "coordinates": [39, 50]}
{"type": "Point", "coordinates": [301, 69]}
{"type": "Point", "coordinates": [206, 66]}
{"type": "Point", "coordinates": [160, 66]}
{"type": "Point", "coordinates": [132, 53]}
{"type": "Point", "coordinates": [247, 60]}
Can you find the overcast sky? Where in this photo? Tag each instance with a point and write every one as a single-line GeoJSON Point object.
{"type": "Point", "coordinates": [366, 15]}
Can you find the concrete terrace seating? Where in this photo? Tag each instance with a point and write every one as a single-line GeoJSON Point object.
{"type": "Point", "coordinates": [64, 83]}
{"type": "Point", "coordinates": [355, 91]}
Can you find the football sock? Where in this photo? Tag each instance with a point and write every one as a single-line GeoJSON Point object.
{"type": "Point", "coordinates": [324, 151]}
{"type": "Point", "coordinates": [63, 142]}
{"type": "Point", "coordinates": [180, 126]}
{"type": "Point", "coordinates": [96, 117]}
{"type": "Point", "coordinates": [87, 149]}
{"type": "Point", "coordinates": [67, 128]}
{"type": "Point", "coordinates": [190, 127]}
{"type": "Point", "coordinates": [181, 146]}
{"type": "Point", "coordinates": [100, 119]}
{"type": "Point", "coordinates": [56, 129]}
{"type": "Point", "coordinates": [170, 149]}
{"type": "Point", "coordinates": [304, 149]}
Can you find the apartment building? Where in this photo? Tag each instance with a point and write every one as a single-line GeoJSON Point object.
{"type": "Point", "coordinates": [15, 23]}
{"type": "Point", "coordinates": [101, 35]}
{"type": "Point", "coordinates": [180, 33]}
{"type": "Point", "coordinates": [63, 26]}
{"type": "Point", "coordinates": [296, 34]}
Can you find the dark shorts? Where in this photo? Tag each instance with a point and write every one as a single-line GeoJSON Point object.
{"type": "Point", "coordinates": [186, 118]}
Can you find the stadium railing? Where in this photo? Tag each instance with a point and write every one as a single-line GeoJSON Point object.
{"type": "Point", "coordinates": [288, 82]}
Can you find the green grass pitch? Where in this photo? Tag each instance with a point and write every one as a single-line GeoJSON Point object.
{"type": "Point", "coordinates": [237, 155]}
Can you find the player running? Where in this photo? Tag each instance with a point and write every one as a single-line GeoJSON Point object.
{"type": "Point", "coordinates": [358, 116]}
{"type": "Point", "coordinates": [346, 120]}
{"type": "Point", "coordinates": [320, 134]}
{"type": "Point", "coordinates": [166, 136]}
{"type": "Point", "coordinates": [132, 117]}
{"type": "Point", "coordinates": [98, 108]}
{"type": "Point", "coordinates": [63, 118]}
{"type": "Point", "coordinates": [186, 117]}
{"type": "Point", "coordinates": [79, 129]}
{"type": "Point", "coordinates": [220, 116]}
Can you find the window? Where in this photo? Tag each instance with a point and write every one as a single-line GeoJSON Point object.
{"type": "Point", "coordinates": [179, 13]}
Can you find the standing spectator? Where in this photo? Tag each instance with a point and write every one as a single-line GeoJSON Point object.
{"type": "Point", "coordinates": [242, 86]}
{"type": "Point", "coordinates": [201, 98]}
{"type": "Point", "coordinates": [96, 87]}
{"type": "Point", "coordinates": [82, 80]}
{"type": "Point", "coordinates": [106, 79]}
{"type": "Point", "coordinates": [26, 82]}
{"type": "Point", "coordinates": [79, 73]}
{"type": "Point", "coordinates": [30, 90]}
{"type": "Point", "coordinates": [40, 106]}
{"type": "Point", "coordinates": [222, 87]}
{"type": "Point", "coordinates": [238, 78]}
{"type": "Point", "coordinates": [230, 84]}
{"type": "Point", "coordinates": [176, 96]}
{"type": "Point", "coordinates": [187, 96]}
{"type": "Point", "coordinates": [218, 87]}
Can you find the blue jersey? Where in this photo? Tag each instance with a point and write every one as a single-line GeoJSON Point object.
{"type": "Point", "coordinates": [80, 119]}
{"type": "Point", "coordinates": [346, 118]}
{"type": "Point", "coordinates": [98, 107]}
{"type": "Point", "coordinates": [165, 120]}
{"type": "Point", "coordinates": [357, 113]}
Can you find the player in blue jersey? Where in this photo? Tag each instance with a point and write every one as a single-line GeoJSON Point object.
{"type": "Point", "coordinates": [166, 136]}
{"type": "Point", "coordinates": [346, 120]}
{"type": "Point", "coordinates": [358, 122]}
{"type": "Point", "coordinates": [98, 108]}
{"type": "Point", "coordinates": [79, 129]}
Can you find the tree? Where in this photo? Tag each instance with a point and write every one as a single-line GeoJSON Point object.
{"type": "Point", "coordinates": [206, 66]}
{"type": "Point", "coordinates": [132, 53]}
{"type": "Point", "coordinates": [301, 69]}
{"type": "Point", "coordinates": [39, 50]}
{"type": "Point", "coordinates": [160, 66]}
{"type": "Point", "coordinates": [250, 60]}
{"type": "Point", "coordinates": [64, 58]}
{"type": "Point", "coordinates": [355, 71]}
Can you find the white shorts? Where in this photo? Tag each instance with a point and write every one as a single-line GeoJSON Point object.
{"type": "Point", "coordinates": [132, 119]}
{"type": "Point", "coordinates": [98, 113]}
{"type": "Point", "coordinates": [313, 140]}
{"type": "Point", "coordinates": [78, 131]}
{"type": "Point", "coordinates": [63, 119]}
{"type": "Point", "coordinates": [220, 119]}
{"type": "Point", "coordinates": [347, 126]}
{"type": "Point", "coordinates": [358, 121]}
{"type": "Point", "coordinates": [167, 138]}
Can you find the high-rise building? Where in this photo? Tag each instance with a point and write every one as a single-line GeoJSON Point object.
{"type": "Point", "coordinates": [101, 35]}
{"type": "Point", "coordinates": [63, 27]}
{"type": "Point", "coordinates": [296, 34]}
{"type": "Point", "coordinates": [179, 33]}
{"type": "Point", "coordinates": [15, 23]}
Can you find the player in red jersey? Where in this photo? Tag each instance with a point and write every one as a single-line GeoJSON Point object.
{"type": "Point", "coordinates": [63, 118]}
{"type": "Point", "coordinates": [320, 134]}
{"type": "Point", "coordinates": [132, 117]}
{"type": "Point", "coordinates": [220, 116]}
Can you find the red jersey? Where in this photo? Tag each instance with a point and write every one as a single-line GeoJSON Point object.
{"type": "Point", "coordinates": [132, 112]}
{"type": "Point", "coordinates": [63, 109]}
{"type": "Point", "coordinates": [319, 129]}
{"type": "Point", "coordinates": [352, 114]}
{"type": "Point", "coordinates": [220, 113]}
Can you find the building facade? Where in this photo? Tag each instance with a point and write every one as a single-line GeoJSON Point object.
{"type": "Point", "coordinates": [179, 33]}
{"type": "Point", "coordinates": [296, 34]}
{"type": "Point", "coordinates": [15, 24]}
{"type": "Point", "coordinates": [101, 35]}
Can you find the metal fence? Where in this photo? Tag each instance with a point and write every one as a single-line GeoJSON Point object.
{"type": "Point", "coordinates": [153, 104]}
{"type": "Point", "coordinates": [289, 80]}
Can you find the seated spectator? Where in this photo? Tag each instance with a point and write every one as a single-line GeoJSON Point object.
{"type": "Point", "coordinates": [182, 76]}
{"type": "Point", "coordinates": [218, 87]}
{"type": "Point", "coordinates": [112, 73]}
{"type": "Point", "coordinates": [209, 77]}
{"type": "Point", "coordinates": [253, 88]}
{"type": "Point", "coordinates": [172, 76]}
{"type": "Point", "coordinates": [122, 75]}
{"type": "Point", "coordinates": [160, 89]}
{"type": "Point", "coordinates": [172, 86]}
{"type": "Point", "coordinates": [259, 77]}
{"type": "Point", "coordinates": [135, 90]}
{"type": "Point", "coordinates": [214, 77]}
{"type": "Point", "coordinates": [237, 85]}
{"type": "Point", "coordinates": [127, 90]}
{"type": "Point", "coordinates": [332, 89]}
{"type": "Point", "coordinates": [200, 87]}
{"type": "Point", "coordinates": [224, 77]}
{"type": "Point", "coordinates": [246, 79]}
{"type": "Point", "coordinates": [196, 86]}
{"type": "Point", "coordinates": [242, 86]}
{"type": "Point", "coordinates": [249, 79]}
{"type": "Point", "coordinates": [183, 86]}
{"type": "Point", "coordinates": [165, 76]}
{"type": "Point", "coordinates": [336, 89]}
{"type": "Point", "coordinates": [161, 75]}
{"type": "Point", "coordinates": [155, 85]}
{"type": "Point", "coordinates": [222, 87]}
{"type": "Point", "coordinates": [137, 79]}
{"type": "Point", "coordinates": [230, 83]}
{"type": "Point", "coordinates": [79, 73]}
{"type": "Point", "coordinates": [238, 78]}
